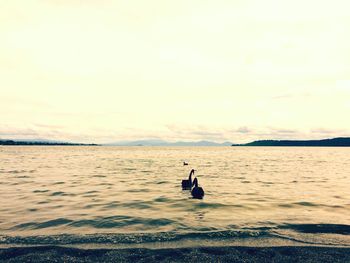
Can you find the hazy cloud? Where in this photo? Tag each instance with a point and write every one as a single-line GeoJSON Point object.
{"type": "Point", "coordinates": [331, 132]}
{"type": "Point", "coordinates": [243, 130]}
{"type": "Point", "coordinates": [283, 131]}
{"type": "Point", "coordinates": [170, 133]}
{"type": "Point", "coordinates": [18, 133]}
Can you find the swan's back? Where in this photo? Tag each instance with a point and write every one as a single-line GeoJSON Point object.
{"type": "Point", "coordinates": [186, 184]}
{"type": "Point", "coordinates": [197, 192]}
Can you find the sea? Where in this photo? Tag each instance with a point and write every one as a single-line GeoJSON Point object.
{"type": "Point", "coordinates": [132, 197]}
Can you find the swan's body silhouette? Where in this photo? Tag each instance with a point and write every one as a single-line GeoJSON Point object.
{"type": "Point", "coordinates": [187, 184]}
{"type": "Point", "coordinates": [197, 192]}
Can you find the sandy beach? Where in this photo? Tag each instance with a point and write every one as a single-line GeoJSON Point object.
{"type": "Point", "coordinates": [199, 254]}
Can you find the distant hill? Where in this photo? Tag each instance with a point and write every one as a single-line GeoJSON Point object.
{"type": "Point", "coordinates": [165, 143]}
{"type": "Point", "coordinates": [43, 143]}
{"type": "Point", "coordinates": [335, 142]}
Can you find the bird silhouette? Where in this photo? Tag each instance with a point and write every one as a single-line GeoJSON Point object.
{"type": "Point", "coordinates": [197, 192]}
{"type": "Point", "coordinates": [187, 184]}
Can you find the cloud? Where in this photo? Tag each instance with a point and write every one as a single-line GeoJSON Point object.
{"type": "Point", "coordinates": [243, 130]}
{"type": "Point", "coordinates": [331, 132]}
{"type": "Point", "coordinates": [194, 132]}
{"type": "Point", "coordinates": [237, 134]}
{"type": "Point", "coordinates": [283, 131]}
{"type": "Point", "coordinates": [18, 133]}
{"type": "Point", "coordinates": [46, 126]}
{"type": "Point", "coordinates": [34, 132]}
{"type": "Point", "coordinates": [170, 133]}
{"type": "Point", "coordinates": [245, 134]}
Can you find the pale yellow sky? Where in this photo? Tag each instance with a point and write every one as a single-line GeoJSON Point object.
{"type": "Point", "coordinates": [99, 71]}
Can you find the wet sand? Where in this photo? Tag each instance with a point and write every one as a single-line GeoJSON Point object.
{"type": "Point", "coordinates": [199, 254]}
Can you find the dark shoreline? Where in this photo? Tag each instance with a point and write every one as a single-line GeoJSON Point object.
{"type": "Point", "coordinates": [197, 254]}
{"type": "Point", "coordinates": [335, 142]}
{"type": "Point", "coordinates": [24, 143]}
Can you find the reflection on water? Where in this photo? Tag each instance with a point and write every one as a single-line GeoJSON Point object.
{"type": "Point", "coordinates": [131, 190]}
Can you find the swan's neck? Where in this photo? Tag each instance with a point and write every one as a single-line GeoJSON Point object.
{"type": "Point", "coordinates": [195, 182]}
{"type": "Point", "coordinates": [190, 176]}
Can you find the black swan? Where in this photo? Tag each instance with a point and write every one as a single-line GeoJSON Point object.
{"type": "Point", "coordinates": [187, 184]}
{"type": "Point", "coordinates": [197, 192]}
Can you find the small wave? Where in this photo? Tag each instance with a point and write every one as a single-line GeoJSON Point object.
{"type": "Point", "coordinates": [41, 191]}
{"type": "Point", "coordinates": [162, 182]}
{"type": "Point", "coordinates": [120, 221]}
{"type": "Point", "coordinates": [90, 192]}
{"type": "Point", "coordinates": [15, 171]}
{"type": "Point", "coordinates": [319, 228]}
{"type": "Point", "coordinates": [89, 206]}
{"type": "Point", "coordinates": [59, 193]}
{"type": "Point", "coordinates": [305, 204]}
{"type": "Point", "coordinates": [129, 169]}
{"type": "Point", "coordinates": [108, 184]}
{"type": "Point", "coordinates": [44, 202]}
{"type": "Point", "coordinates": [133, 238]}
{"type": "Point", "coordinates": [98, 223]}
{"type": "Point", "coordinates": [59, 183]}
{"type": "Point", "coordinates": [214, 205]}
{"type": "Point", "coordinates": [137, 205]}
{"type": "Point", "coordinates": [290, 205]}
{"type": "Point", "coordinates": [113, 204]}
{"type": "Point", "coordinates": [46, 224]}
{"type": "Point", "coordinates": [286, 205]}
{"type": "Point", "coordinates": [140, 190]}
{"type": "Point", "coordinates": [257, 233]}
{"type": "Point", "coordinates": [309, 228]}
{"type": "Point", "coordinates": [161, 199]}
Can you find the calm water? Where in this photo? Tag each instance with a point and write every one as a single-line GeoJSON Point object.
{"type": "Point", "coordinates": [132, 195]}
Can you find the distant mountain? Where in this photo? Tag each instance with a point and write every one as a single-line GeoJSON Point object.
{"type": "Point", "coordinates": [40, 142]}
{"type": "Point", "coordinates": [200, 143]}
{"type": "Point", "coordinates": [335, 142]}
{"type": "Point", "coordinates": [165, 143]}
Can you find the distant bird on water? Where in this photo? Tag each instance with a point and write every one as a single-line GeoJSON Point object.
{"type": "Point", "coordinates": [187, 184]}
{"type": "Point", "coordinates": [185, 163]}
{"type": "Point", "coordinates": [197, 192]}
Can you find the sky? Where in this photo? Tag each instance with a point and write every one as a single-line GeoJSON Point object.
{"type": "Point", "coordinates": [238, 70]}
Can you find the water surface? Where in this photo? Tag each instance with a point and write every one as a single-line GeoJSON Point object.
{"type": "Point", "coordinates": [132, 194]}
